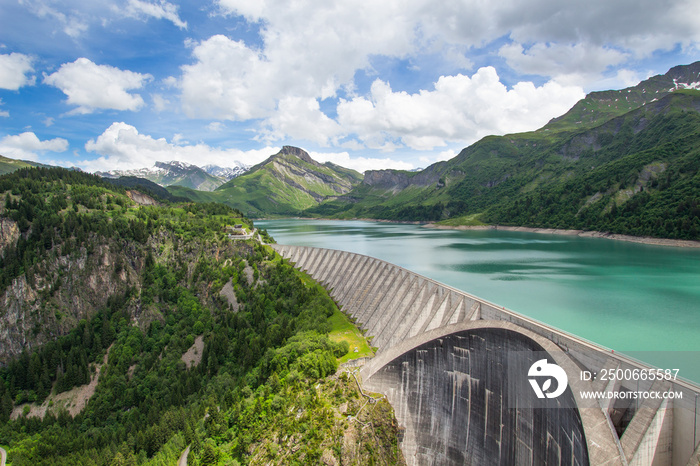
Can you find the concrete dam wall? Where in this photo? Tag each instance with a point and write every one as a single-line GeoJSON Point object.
{"type": "Point", "coordinates": [445, 363]}
{"type": "Point", "coordinates": [452, 396]}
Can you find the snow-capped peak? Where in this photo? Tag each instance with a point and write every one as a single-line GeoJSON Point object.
{"type": "Point", "coordinates": [226, 173]}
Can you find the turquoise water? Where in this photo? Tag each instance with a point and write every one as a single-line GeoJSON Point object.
{"type": "Point", "coordinates": [625, 296]}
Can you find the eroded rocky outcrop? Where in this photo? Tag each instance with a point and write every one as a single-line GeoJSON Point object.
{"type": "Point", "coordinates": [9, 233]}
{"type": "Point", "coordinates": [396, 180]}
{"type": "Point", "coordinates": [140, 198]}
{"type": "Point", "coordinates": [57, 292]}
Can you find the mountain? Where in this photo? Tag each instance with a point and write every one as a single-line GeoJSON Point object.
{"type": "Point", "coordinates": [132, 329]}
{"type": "Point", "coordinates": [8, 165]}
{"type": "Point", "coordinates": [284, 184]}
{"type": "Point", "coordinates": [173, 173]}
{"type": "Point", "coordinates": [622, 161]}
{"type": "Point", "coordinates": [598, 107]}
{"type": "Point", "coordinates": [164, 174]}
{"type": "Point", "coordinates": [226, 173]}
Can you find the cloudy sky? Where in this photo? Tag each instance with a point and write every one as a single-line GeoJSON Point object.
{"type": "Point", "coordinates": [117, 84]}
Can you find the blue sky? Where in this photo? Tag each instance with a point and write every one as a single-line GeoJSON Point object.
{"type": "Point", "coordinates": [122, 84]}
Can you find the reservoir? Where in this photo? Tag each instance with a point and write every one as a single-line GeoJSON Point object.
{"type": "Point", "coordinates": [639, 299]}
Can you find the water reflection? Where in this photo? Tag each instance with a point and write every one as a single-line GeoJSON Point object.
{"type": "Point", "coordinates": [624, 296]}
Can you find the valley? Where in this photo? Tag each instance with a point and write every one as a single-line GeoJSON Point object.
{"type": "Point", "coordinates": [239, 232]}
{"type": "Point", "coordinates": [144, 313]}
{"type": "Point", "coordinates": [623, 162]}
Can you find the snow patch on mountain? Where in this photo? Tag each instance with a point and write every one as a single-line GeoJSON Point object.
{"type": "Point", "coordinates": [227, 173]}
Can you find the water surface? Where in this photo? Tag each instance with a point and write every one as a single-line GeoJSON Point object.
{"type": "Point", "coordinates": [625, 296]}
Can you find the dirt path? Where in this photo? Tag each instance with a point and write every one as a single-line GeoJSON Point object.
{"type": "Point", "coordinates": [3, 457]}
{"type": "Point", "coordinates": [182, 462]}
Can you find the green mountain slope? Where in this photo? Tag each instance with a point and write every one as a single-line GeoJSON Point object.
{"type": "Point", "coordinates": [644, 182]}
{"type": "Point", "coordinates": [285, 183]}
{"type": "Point", "coordinates": [602, 106]}
{"type": "Point", "coordinates": [8, 165]}
{"type": "Point", "coordinates": [186, 337]}
{"type": "Point", "coordinates": [619, 154]}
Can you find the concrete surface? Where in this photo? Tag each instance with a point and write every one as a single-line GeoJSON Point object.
{"type": "Point", "coordinates": [443, 387]}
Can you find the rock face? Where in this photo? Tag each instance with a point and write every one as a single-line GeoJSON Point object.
{"type": "Point", "coordinates": [140, 198]}
{"type": "Point", "coordinates": [9, 233]}
{"type": "Point", "coordinates": [56, 293]}
{"type": "Point", "coordinates": [396, 180]}
{"type": "Point", "coordinates": [297, 152]}
{"type": "Point", "coordinates": [317, 183]}
{"type": "Point", "coordinates": [386, 179]}
{"type": "Point", "coordinates": [37, 309]}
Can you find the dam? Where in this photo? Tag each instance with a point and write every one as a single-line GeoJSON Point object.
{"type": "Point", "coordinates": [455, 369]}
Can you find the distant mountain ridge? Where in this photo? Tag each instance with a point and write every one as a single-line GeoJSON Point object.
{"type": "Point", "coordinates": [285, 183]}
{"type": "Point", "coordinates": [227, 173]}
{"type": "Point", "coordinates": [624, 161]}
{"type": "Point", "coordinates": [178, 173]}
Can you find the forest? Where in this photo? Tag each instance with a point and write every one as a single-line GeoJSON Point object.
{"type": "Point", "coordinates": [650, 187]}
{"type": "Point", "coordinates": [263, 349]}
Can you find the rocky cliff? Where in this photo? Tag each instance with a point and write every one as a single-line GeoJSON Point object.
{"type": "Point", "coordinates": [9, 233]}
{"type": "Point", "coordinates": [55, 294]}
{"type": "Point", "coordinates": [397, 180]}
{"type": "Point", "coordinates": [60, 290]}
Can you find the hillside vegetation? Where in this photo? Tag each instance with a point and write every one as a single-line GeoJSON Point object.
{"type": "Point", "coordinates": [91, 276]}
{"type": "Point", "coordinates": [620, 161]}
{"type": "Point", "coordinates": [8, 165]}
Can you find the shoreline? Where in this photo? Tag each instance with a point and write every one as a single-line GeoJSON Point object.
{"type": "Point", "coordinates": [680, 243]}
{"type": "Point", "coordinates": [378, 220]}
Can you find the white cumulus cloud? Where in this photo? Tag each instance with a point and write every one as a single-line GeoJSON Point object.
{"type": "Point", "coordinates": [228, 81]}
{"type": "Point", "coordinates": [360, 164]}
{"type": "Point", "coordinates": [92, 87]}
{"type": "Point", "coordinates": [301, 118]}
{"type": "Point", "coordinates": [459, 108]}
{"type": "Point", "coordinates": [27, 146]}
{"type": "Point", "coordinates": [159, 10]}
{"type": "Point", "coordinates": [331, 40]}
{"type": "Point", "coordinates": [14, 70]}
{"type": "Point", "coordinates": [639, 26]}
{"type": "Point", "coordinates": [312, 49]}
{"type": "Point", "coordinates": [572, 64]}
{"type": "Point", "coordinates": [122, 147]}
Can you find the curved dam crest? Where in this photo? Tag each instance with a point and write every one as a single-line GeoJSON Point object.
{"type": "Point", "coordinates": [443, 362]}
